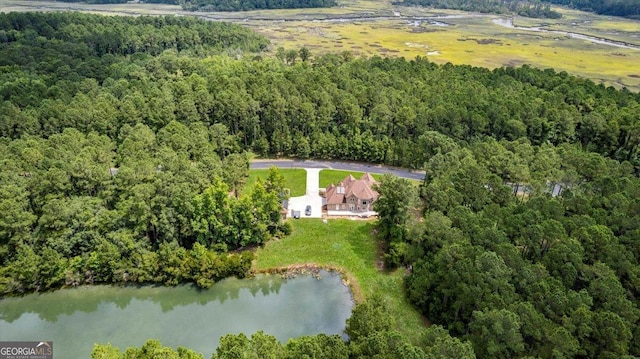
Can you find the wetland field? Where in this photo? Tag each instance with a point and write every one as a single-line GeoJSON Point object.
{"type": "Point", "coordinates": [368, 28]}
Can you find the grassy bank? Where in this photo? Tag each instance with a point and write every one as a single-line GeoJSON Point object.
{"type": "Point", "coordinates": [349, 246]}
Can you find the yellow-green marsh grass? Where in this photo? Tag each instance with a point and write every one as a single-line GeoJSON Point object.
{"type": "Point", "coordinates": [617, 24]}
{"type": "Point", "coordinates": [472, 39]}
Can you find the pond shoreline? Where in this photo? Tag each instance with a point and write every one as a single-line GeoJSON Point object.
{"type": "Point", "coordinates": [314, 269]}
{"type": "Point", "coordinates": [286, 272]}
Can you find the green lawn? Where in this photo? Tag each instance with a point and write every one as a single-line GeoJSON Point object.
{"type": "Point", "coordinates": [328, 177]}
{"type": "Point", "coordinates": [295, 179]}
{"type": "Point", "coordinates": [349, 246]}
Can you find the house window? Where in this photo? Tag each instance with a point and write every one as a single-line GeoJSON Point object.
{"type": "Point", "coordinates": [364, 203]}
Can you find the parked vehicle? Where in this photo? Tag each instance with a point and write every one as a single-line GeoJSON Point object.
{"type": "Point", "coordinates": [307, 211]}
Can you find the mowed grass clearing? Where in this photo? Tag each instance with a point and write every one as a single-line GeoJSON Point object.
{"type": "Point", "coordinates": [350, 246]}
{"type": "Point", "coordinates": [295, 179]}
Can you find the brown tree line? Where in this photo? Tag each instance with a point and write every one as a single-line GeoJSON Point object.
{"type": "Point", "coordinates": [227, 5]}
{"type": "Point", "coordinates": [626, 8]}
{"type": "Point", "coordinates": [535, 9]}
{"type": "Point", "coordinates": [247, 5]}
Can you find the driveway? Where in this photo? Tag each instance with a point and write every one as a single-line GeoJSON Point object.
{"type": "Point", "coordinates": [311, 198]}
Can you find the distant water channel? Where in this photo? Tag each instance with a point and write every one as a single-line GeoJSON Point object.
{"type": "Point", "coordinates": [75, 319]}
{"type": "Point", "coordinates": [596, 40]}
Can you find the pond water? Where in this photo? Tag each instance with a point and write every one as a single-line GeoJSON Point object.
{"type": "Point", "coordinates": [75, 319]}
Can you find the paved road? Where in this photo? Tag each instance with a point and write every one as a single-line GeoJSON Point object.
{"type": "Point", "coordinates": [345, 166]}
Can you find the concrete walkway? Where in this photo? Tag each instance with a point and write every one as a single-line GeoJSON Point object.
{"type": "Point", "coordinates": [311, 198]}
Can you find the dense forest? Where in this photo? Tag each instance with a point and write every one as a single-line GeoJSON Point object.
{"type": "Point", "coordinates": [533, 9]}
{"type": "Point", "coordinates": [521, 273]}
{"type": "Point", "coordinates": [124, 149]}
{"type": "Point", "coordinates": [128, 205]}
{"type": "Point", "coordinates": [379, 110]}
{"type": "Point", "coordinates": [626, 8]}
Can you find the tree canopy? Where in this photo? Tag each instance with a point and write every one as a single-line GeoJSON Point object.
{"type": "Point", "coordinates": [374, 110]}
{"type": "Point", "coordinates": [524, 270]}
{"type": "Point", "coordinates": [163, 214]}
{"type": "Point", "coordinates": [626, 8]}
{"type": "Point", "coordinates": [124, 148]}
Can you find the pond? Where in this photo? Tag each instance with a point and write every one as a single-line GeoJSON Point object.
{"type": "Point", "coordinates": [75, 319]}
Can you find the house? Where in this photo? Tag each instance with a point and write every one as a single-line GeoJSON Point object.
{"type": "Point", "coordinates": [352, 195]}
